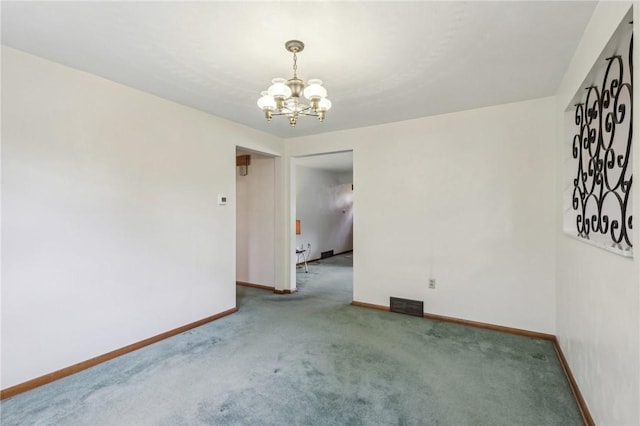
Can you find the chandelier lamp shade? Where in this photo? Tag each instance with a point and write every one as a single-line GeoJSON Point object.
{"type": "Point", "coordinates": [283, 97]}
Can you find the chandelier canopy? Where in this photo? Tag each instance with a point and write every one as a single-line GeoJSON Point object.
{"type": "Point", "coordinates": [283, 96]}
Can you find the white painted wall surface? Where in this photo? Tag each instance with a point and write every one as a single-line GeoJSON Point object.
{"type": "Point", "coordinates": [324, 205]}
{"type": "Point", "coordinates": [255, 241]}
{"type": "Point", "coordinates": [468, 198]}
{"type": "Point", "coordinates": [598, 297]}
{"type": "Point", "coordinates": [111, 228]}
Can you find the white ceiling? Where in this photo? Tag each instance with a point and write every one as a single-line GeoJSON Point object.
{"type": "Point", "coordinates": [380, 61]}
{"type": "Point", "coordinates": [341, 162]}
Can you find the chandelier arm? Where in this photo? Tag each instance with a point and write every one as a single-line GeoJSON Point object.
{"type": "Point", "coordinates": [307, 114]}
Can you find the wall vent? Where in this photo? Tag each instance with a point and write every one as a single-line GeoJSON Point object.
{"type": "Point", "coordinates": [326, 254]}
{"type": "Point", "coordinates": [406, 306]}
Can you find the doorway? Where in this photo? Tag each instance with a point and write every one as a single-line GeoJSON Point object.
{"type": "Point", "coordinates": [324, 215]}
{"type": "Point", "coordinates": [255, 219]}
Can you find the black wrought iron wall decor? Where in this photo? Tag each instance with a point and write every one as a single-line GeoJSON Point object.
{"type": "Point", "coordinates": [601, 147]}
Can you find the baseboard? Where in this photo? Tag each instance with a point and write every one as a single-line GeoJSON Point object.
{"type": "Point", "coordinates": [319, 258]}
{"type": "Point", "coordinates": [573, 385]}
{"type": "Point", "coordinates": [582, 404]}
{"type": "Point", "coordinates": [494, 327]}
{"type": "Point", "coordinates": [260, 286]}
{"type": "Point", "coordinates": [265, 287]}
{"type": "Point", "coordinates": [285, 291]}
{"type": "Point", "coordinates": [477, 324]}
{"type": "Point", "coordinates": [370, 306]}
{"type": "Point", "coordinates": [67, 371]}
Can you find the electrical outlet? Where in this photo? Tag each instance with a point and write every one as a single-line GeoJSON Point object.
{"type": "Point", "coordinates": [432, 283]}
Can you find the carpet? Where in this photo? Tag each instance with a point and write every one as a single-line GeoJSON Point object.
{"type": "Point", "coordinates": [310, 358]}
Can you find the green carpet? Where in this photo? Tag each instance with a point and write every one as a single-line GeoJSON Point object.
{"type": "Point", "coordinates": [313, 359]}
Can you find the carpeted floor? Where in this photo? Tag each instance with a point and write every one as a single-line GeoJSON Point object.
{"type": "Point", "coordinates": [313, 359]}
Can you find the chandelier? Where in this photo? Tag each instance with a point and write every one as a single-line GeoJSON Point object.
{"type": "Point", "coordinates": [283, 96]}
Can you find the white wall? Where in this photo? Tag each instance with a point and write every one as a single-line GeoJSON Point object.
{"type": "Point", "coordinates": [111, 228]}
{"type": "Point", "coordinates": [255, 241]}
{"type": "Point", "coordinates": [324, 205]}
{"type": "Point", "coordinates": [467, 197]}
{"type": "Point", "coordinates": [598, 306]}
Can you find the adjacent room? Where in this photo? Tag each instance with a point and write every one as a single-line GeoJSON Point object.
{"type": "Point", "coordinates": [324, 206]}
{"type": "Point", "coordinates": [319, 213]}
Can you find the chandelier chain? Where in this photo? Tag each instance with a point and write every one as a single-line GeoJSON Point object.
{"type": "Point", "coordinates": [295, 64]}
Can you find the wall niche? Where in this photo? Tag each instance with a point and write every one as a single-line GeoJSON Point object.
{"type": "Point", "coordinates": [598, 150]}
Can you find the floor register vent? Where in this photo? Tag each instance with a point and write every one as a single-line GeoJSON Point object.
{"type": "Point", "coordinates": [326, 254]}
{"type": "Point", "coordinates": [406, 306]}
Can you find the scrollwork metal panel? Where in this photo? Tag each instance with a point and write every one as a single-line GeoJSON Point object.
{"type": "Point", "coordinates": [602, 149]}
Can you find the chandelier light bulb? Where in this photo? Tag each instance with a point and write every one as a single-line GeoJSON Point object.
{"type": "Point", "coordinates": [279, 88]}
{"type": "Point", "coordinates": [324, 104]}
{"type": "Point", "coordinates": [315, 90]}
{"type": "Point", "coordinates": [283, 96]}
{"type": "Point", "coordinates": [266, 102]}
